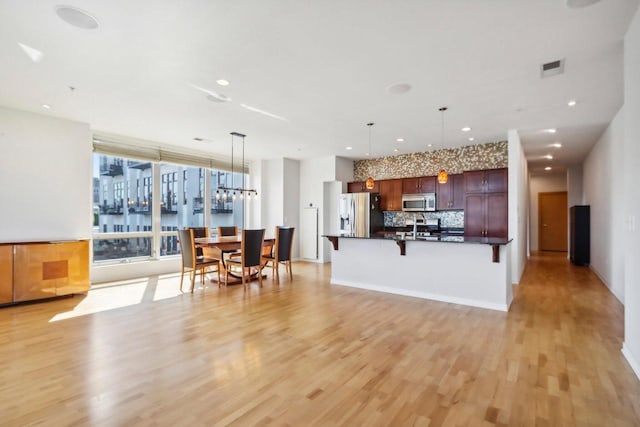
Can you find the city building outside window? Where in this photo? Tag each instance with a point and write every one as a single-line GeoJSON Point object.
{"type": "Point", "coordinates": [124, 209]}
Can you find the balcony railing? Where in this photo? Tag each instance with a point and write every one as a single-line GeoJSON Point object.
{"type": "Point", "coordinates": [112, 209]}
{"type": "Point", "coordinates": [141, 207]}
{"type": "Point", "coordinates": [111, 168]}
{"type": "Point", "coordinates": [138, 165]}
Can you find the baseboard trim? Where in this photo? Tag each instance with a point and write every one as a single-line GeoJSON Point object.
{"type": "Point", "coordinates": [423, 295]}
{"type": "Point", "coordinates": [631, 360]}
{"type": "Point", "coordinates": [606, 283]}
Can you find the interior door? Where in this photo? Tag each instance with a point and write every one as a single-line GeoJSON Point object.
{"type": "Point", "coordinates": [552, 221]}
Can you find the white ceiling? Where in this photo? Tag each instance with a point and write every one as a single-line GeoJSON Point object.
{"type": "Point", "coordinates": [324, 66]}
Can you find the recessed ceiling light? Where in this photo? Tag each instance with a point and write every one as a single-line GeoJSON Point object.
{"type": "Point", "coordinates": [556, 145]}
{"type": "Point", "coordinates": [76, 17]}
{"type": "Point", "coordinates": [548, 156]}
{"type": "Point", "coordinates": [400, 139]}
{"type": "Point", "coordinates": [349, 148]}
{"type": "Point", "coordinates": [466, 129]}
{"type": "Point", "coordinates": [46, 106]}
{"type": "Point", "coordinates": [429, 145]}
{"type": "Point", "coordinates": [34, 54]}
{"type": "Point", "coordinates": [552, 130]}
{"type": "Point", "coordinates": [572, 103]}
{"type": "Point", "coordinates": [398, 88]}
{"type": "Point", "coordinates": [471, 138]}
{"type": "Point", "coordinates": [223, 82]}
{"type": "Point", "coordinates": [548, 168]}
{"type": "Point", "coordinates": [395, 150]}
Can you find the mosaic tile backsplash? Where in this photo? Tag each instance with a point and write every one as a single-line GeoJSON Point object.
{"type": "Point", "coordinates": [453, 160]}
{"type": "Point", "coordinates": [448, 219]}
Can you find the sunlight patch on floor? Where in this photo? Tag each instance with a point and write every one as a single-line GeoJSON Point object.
{"type": "Point", "coordinates": [119, 294]}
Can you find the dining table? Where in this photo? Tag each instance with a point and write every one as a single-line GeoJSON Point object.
{"type": "Point", "coordinates": [223, 247]}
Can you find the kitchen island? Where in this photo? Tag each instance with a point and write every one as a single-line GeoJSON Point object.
{"type": "Point", "coordinates": [464, 270]}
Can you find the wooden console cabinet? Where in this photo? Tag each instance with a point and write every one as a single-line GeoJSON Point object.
{"type": "Point", "coordinates": [6, 274]}
{"type": "Point", "coordinates": [31, 271]}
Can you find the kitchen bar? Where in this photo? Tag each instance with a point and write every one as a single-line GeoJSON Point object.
{"type": "Point", "coordinates": [471, 271]}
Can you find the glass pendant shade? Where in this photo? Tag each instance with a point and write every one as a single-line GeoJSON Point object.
{"type": "Point", "coordinates": [443, 176]}
{"type": "Point", "coordinates": [369, 183]}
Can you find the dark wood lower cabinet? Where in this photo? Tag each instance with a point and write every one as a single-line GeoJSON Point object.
{"type": "Point", "coordinates": [486, 215]}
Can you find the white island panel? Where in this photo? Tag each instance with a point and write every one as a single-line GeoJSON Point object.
{"type": "Point", "coordinates": [459, 273]}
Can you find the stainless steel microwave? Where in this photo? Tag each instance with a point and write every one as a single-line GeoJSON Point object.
{"type": "Point", "coordinates": [423, 202]}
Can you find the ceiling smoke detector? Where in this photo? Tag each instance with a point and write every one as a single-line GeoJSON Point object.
{"type": "Point", "coordinates": [552, 68]}
{"type": "Point", "coordinates": [76, 17]}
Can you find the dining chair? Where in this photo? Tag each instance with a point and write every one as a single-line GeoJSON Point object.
{"type": "Point", "coordinates": [227, 231]}
{"type": "Point", "coordinates": [251, 255]}
{"type": "Point", "coordinates": [281, 252]}
{"type": "Point", "coordinates": [199, 232]}
{"type": "Point", "coordinates": [191, 262]}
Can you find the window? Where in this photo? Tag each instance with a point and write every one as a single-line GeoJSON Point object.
{"type": "Point", "coordinates": [124, 208]}
{"type": "Point", "coordinates": [114, 215]}
{"type": "Point", "coordinates": [225, 211]}
{"type": "Point", "coordinates": [175, 214]}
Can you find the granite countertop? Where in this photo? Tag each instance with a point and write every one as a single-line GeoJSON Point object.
{"type": "Point", "coordinates": [446, 238]}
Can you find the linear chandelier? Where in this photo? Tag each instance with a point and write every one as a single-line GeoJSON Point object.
{"type": "Point", "coordinates": [232, 192]}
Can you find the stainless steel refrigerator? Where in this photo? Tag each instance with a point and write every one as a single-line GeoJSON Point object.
{"type": "Point", "coordinates": [359, 214]}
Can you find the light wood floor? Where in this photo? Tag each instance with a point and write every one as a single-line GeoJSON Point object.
{"type": "Point", "coordinates": [306, 353]}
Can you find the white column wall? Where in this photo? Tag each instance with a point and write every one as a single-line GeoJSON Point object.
{"type": "Point", "coordinates": [313, 174]}
{"type": "Point", "coordinates": [45, 170]}
{"type": "Point", "coordinates": [631, 347]}
{"type": "Point", "coordinates": [291, 199]}
{"type": "Point", "coordinates": [518, 206]}
{"type": "Point", "coordinates": [602, 178]}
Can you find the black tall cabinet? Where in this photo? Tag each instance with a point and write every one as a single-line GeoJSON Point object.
{"type": "Point", "coordinates": [579, 236]}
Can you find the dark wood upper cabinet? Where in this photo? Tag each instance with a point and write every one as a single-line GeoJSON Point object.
{"type": "Point", "coordinates": [423, 184]}
{"type": "Point", "coordinates": [486, 210]}
{"type": "Point", "coordinates": [359, 187]}
{"type": "Point", "coordinates": [486, 181]}
{"type": "Point", "coordinates": [451, 195]}
{"type": "Point", "coordinates": [391, 195]}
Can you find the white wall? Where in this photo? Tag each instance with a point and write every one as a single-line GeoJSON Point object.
{"type": "Point", "coordinates": [602, 179]}
{"type": "Point", "coordinates": [291, 200]}
{"type": "Point", "coordinates": [45, 169]}
{"type": "Point", "coordinates": [544, 183]}
{"type": "Point", "coordinates": [518, 207]}
{"type": "Point", "coordinates": [631, 347]}
{"type": "Point", "coordinates": [574, 185]}
{"type": "Point", "coordinates": [272, 200]}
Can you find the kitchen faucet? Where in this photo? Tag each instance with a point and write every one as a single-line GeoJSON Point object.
{"type": "Point", "coordinates": [415, 225]}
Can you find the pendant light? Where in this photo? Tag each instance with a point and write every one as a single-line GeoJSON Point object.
{"type": "Point", "coordinates": [230, 192]}
{"type": "Point", "coordinates": [369, 183]}
{"type": "Point", "coordinates": [443, 176]}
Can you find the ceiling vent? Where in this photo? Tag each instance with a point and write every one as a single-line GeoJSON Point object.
{"type": "Point", "coordinates": [552, 68]}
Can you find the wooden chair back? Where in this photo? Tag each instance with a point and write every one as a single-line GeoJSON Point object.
{"type": "Point", "coordinates": [227, 231]}
{"type": "Point", "coordinates": [199, 232]}
{"type": "Point", "coordinates": [284, 243]}
{"type": "Point", "coordinates": [252, 241]}
{"type": "Point", "coordinates": [187, 248]}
